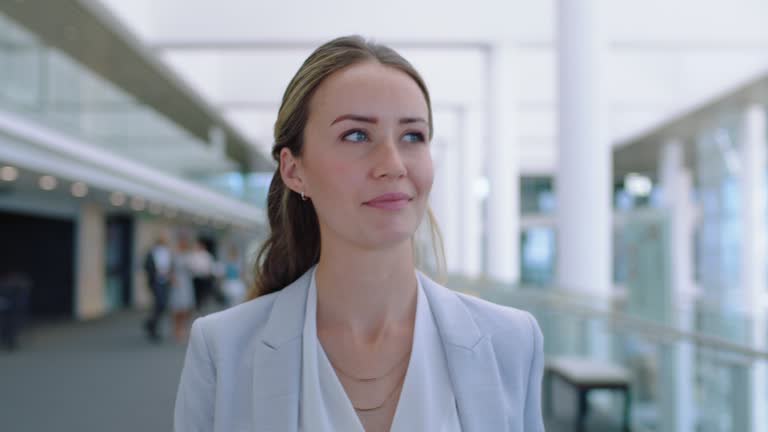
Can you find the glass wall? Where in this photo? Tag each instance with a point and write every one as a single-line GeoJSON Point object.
{"type": "Point", "coordinates": [45, 85]}
{"type": "Point", "coordinates": [719, 236]}
{"type": "Point", "coordinates": [538, 240]}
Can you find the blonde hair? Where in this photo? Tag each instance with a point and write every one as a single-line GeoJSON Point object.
{"type": "Point", "coordinates": [293, 245]}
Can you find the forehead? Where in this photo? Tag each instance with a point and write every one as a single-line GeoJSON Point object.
{"type": "Point", "coordinates": [368, 88]}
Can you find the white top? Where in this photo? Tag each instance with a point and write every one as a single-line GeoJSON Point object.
{"type": "Point", "coordinates": [162, 257]}
{"type": "Point", "coordinates": [427, 402]}
{"type": "Point", "coordinates": [200, 262]}
{"type": "Point", "coordinates": [183, 293]}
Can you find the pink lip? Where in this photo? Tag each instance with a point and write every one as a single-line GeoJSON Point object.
{"type": "Point", "coordinates": [389, 201]}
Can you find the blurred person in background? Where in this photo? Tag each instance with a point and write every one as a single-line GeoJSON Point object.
{"type": "Point", "coordinates": [182, 301]}
{"type": "Point", "coordinates": [158, 265]}
{"type": "Point", "coordinates": [333, 325]}
{"type": "Point", "coordinates": [233, 287]}
{"type": "Point", "coordinates": [201, 265]}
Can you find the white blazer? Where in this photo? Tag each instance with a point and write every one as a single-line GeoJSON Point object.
{"type": "Point", "coordinates": [243, 366]}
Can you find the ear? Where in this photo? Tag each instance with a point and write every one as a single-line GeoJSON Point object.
{"type": "Point", "coordinates": [291, 171]}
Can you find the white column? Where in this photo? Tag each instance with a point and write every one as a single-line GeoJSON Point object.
{"type": "Point", "coordinates": [502, 161]}
{"type": "Point", "coordinates": [584, 164]}
{"type": "Point", "coordinates": [753, 172]}
{"type": "Point", "coordinates": [470, 189]}
{"type": "Point", "coordinates": [678, 374]}
{"type": "Point", "coordinates": [444, 199]}
{"type": "Point", "coordinates": [676, 183]}
{"type": "Point", "coordinates": [584, 184]}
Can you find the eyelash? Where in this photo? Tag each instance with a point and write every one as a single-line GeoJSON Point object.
{"type": "Point", "coordinates": [419, 135]}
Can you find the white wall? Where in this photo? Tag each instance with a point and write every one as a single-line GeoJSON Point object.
{"type": "Point", "coordinates": [90, 286]}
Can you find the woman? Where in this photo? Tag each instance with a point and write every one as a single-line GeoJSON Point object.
{"type": "Point", "coordinates": [200, 264]}
{"type": "Point", "coordinates": [182, 301]}
{"type": "Point", "coordinates": [344, 334]}
{"type": "Point", "coordinates": [233, 287]}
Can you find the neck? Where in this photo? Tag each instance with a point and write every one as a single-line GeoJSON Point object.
{"type": "Point", "coordinates": [366, 292]}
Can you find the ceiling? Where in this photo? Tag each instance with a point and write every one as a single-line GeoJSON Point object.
{"type": "Point", "coordinates": [222, 66]}
{"type": "Point", "coordinates": [660, 59]}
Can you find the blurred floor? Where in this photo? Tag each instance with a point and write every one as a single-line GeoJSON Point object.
{"type": "Point", "coordinates": [87, 377]}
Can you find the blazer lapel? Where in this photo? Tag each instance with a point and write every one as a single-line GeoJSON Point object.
{"type": "Point", "coordinates": [277, 362]}
{"type": "Point", "coordinates": [471, 362]}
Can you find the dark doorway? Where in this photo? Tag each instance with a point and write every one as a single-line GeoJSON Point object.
{"type": "Point", "coordinates": [43, 250]}
{"type": "Point", "coordinates": [119, 262]}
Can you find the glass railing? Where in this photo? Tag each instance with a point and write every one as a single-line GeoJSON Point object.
{"type": "Point", "coordinates": [685, 376]}
{"type": "Point", "coordinates": [45, 85]}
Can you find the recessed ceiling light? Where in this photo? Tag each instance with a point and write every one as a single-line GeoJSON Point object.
{"type": "Point", "coordinates": [47, 182]}
{"type": "Point", "coordinates": [117, 199]}
{"type": "Point", "coordinates": [9, 173]}
{"type": "Point", "coordinates": [638, 184]}
{"type": "Point", "coordinates": [79, 189]}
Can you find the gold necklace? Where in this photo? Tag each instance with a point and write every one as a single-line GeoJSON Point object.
{"type": "Point", "coordinates": [368, 380]}
{"type": "Point", "coordinates": [385, 399]}
{"type": "Point", "coordinates": [392, 369]}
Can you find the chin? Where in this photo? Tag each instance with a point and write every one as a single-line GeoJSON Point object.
{"type": "Point", "coordinates": [388, 240]}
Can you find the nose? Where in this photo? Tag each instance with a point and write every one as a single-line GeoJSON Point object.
{"type": "Point", "coordinates": [389, 161]}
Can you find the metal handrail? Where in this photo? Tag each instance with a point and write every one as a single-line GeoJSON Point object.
{"type": "Point", "coordinates": [662, 333]}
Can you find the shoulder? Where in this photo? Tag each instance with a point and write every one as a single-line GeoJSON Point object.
{"type": "Point", "coordinates": [493, 318]}
{"type": "Point", "coordinates": [514, 333]}
{"type": "Point", "coordinates": [480, 316]}
{"type": "Point", "coordinates": [515, 336]}
{"type": "Point", "coordinates": [236, 326]}
{"type": "Point", "coordinates": [273, 318]}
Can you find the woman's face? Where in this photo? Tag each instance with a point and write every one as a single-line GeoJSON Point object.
{"type": "Point", "coordinates": [366, 162]}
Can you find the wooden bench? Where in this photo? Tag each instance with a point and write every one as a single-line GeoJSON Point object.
{"type": "Point", "coordinates": [585, 375]}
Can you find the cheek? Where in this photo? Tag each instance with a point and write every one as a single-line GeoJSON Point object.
{"type": "Point", "coordinates": [333, 178]}
{"type": "Point", "coordinates": [423, 176]}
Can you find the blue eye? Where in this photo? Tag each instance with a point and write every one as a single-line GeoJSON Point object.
{"type": "Point", "coordinates": [356, 136]}
{"type": "Point", "coordinates": [415, 137]}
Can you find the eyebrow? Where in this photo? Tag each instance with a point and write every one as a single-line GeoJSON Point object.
{"type": "Point", "coordinates": [374, 120]}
